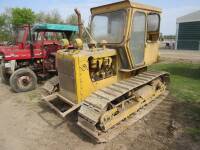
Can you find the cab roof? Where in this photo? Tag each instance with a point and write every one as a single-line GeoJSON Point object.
{"type": "Point", "coordinates": [122, 5]}
{"type": "Point", "coordinates": [55, 27]}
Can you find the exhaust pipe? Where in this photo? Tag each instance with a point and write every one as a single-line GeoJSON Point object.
{"type": "Point", "coordinates": [80, 24]}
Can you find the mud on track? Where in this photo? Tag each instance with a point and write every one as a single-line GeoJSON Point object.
{"type": "Point", "coordinates": [26, 123]}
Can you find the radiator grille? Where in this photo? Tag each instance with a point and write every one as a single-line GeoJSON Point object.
{"type": "Point", "coordinates": [66, 73]}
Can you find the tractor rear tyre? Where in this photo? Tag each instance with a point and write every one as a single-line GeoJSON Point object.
{"type": "Point", "coordinates": [23, 80]}
{"type": "Point", "coordinates": [4, 76]}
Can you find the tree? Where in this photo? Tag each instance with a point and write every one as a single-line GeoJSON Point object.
{"type": "Point", "coordinates": [72, 19]}
{"type": "Point", "coordinates": [21, 16]}
{"type": "Point", "coordinates": [2, 20]}
{"type": "Point", "coordinates": [55, 17]}
{"type": "Point", "coordinates": [2, 30]}
{"type": "Point", "coordinates": [52, 17]}
{"type": "Point", "coordinates": [12, 18]}
{"type": "Point", "coordinates": [41, 17]}
{"type": "Point", "coordinates": [5, 25]}
{"type": "Point", "coordinates": [7, 14]}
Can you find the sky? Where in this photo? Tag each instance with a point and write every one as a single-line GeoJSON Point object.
{"type": "Point", "coordinates": [172, 9]}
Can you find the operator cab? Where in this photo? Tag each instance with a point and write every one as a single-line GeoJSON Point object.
{"type": "Point", "coordinates": [131, 28]}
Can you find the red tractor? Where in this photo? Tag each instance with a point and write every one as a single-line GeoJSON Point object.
{"type": "Point", "coordinates": [32, 55]}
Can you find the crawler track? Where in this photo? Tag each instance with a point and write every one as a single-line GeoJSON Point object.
{"type": "Point", "coordinates": [96, 105]}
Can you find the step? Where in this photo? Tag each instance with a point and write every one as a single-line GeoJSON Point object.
{"type": "Point", "coordinates": [60, 104]}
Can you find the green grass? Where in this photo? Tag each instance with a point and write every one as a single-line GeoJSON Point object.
{"type": "Point", "coordinates": [185, 80]}
{"type": "Point", "coordinates": [185, 86]}
{"type": "Point", "coordinates": [195, 132]}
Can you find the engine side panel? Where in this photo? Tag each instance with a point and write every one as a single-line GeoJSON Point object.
{"type": "Point", "coordinates": [151, 53]}
{"type": "Point", "coordinates": [83, 72]}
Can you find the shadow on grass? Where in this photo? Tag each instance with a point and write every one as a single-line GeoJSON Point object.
{"type": "Point", "coordinates": [185, 72]}
{"type": "Point", "coordinates": [180, 69]}
{"type": "Point", "coordinates": [185, 80]}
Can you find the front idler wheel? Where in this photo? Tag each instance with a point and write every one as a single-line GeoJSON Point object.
{"type": "Point", "coordinates": [23, 80]}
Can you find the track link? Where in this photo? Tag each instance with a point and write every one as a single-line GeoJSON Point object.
{"type": "Point", "coordinates": [96, 105]}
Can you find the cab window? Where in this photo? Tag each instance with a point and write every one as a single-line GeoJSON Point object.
{"type": "Point", "coordinates": [153, 27]}
{"type": "Point", "coordinates": [20, 35]}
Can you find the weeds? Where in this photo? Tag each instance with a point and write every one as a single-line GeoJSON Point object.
{"type": "Point", "coordinates": [185, 80]}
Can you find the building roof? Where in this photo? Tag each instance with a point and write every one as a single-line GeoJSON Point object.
{"type": "Point", "coordinates": [192, 17]}
{"type": "Point", "coordinates": [55, 27]}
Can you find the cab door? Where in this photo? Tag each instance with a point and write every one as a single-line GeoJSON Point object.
{"type": "Point", "coordinates": [138, 36]}
{"type": "Point", "coordinates": [152, 39]}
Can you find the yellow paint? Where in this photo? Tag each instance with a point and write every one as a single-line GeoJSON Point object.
{"type": "Point", "coordinates": [84, 86]}
{"type": "Point", "coordinates": [151, 53]}
{"type": "Point", "coordinates": [130, 110]}
{"type": "Point", "coordinates": [123, 5]}
{"type": "Point", "coordinates": [78, 43]}
{"type": "Point", "coordinates": [64, 42]}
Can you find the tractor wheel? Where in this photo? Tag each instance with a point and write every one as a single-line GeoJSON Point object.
{"type": "Point", "coordinates": [4, 76]}
{"type": "Point", "coordinates": [23, 80]}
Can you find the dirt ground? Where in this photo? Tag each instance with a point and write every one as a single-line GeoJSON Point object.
{"type": "Point", "coordinates": [180, 55]}
{"type": "Point", "coordinates": [26, 123]}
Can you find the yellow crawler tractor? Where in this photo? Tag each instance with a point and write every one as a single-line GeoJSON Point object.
{"type": "Point", "coordinates": [108, 82]}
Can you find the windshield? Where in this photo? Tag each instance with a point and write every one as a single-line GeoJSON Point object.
{"type": "Point", "coordinates": [109, 26]}
{"type": "Point", "coordinates": [48, 36]}
{"type": "Point", "coordinates": [20, 35]}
